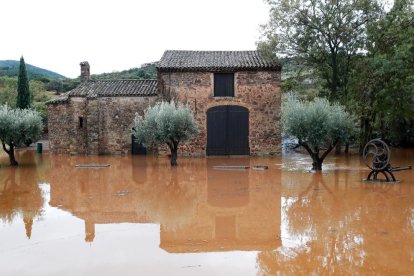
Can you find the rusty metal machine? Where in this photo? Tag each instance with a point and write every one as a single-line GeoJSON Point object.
{"type": "Point", "coordinates": [376, 156]}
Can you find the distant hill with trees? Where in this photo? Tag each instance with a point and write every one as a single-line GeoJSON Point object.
{"type": "Point", "coordinates": [146, 71]}
{"type": "Point", "coordinates": [10, 68]}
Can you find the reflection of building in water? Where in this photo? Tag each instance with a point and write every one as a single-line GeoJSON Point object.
{"type": "Point", "coordinates": [20, 194]}
{"type": "Point", "coordinates": [98, 196]}
{"type": "Point", "coordinates": [198, 208]}
{"type": "Point", "coordinates": [238, 210]}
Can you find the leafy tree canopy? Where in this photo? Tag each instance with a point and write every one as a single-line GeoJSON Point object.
{"type": "Point", "coordinates": [383, 80]}
{"type": "Point", "coordinates": [146, 71]}
{"type": "Point", "coordinates": [16, 127]}
{"type": "Point", "coordinates": [166, 123]}
{"type": "Point", "coordinates": [316, 125]}
{"type": "Point", "coordinates": [8, 92]}
{"type": "Point", "coordinates": [324, 34]}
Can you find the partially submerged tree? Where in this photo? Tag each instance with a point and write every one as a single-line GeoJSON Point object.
{"type": "Point", "coordinates": [24, 98]}
{"type": "Point", "coordinates": [165, 123]}
{"type": "Point", "coordinates": [16, 127]}
{"type": "Point", "coordinates": [318, 126]}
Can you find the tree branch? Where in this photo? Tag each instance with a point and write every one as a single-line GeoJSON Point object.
{"type": "Point", "coordinates": [306, 146]}
{"type": "Point", "coordinates": [5, 149]}
{"type": "Point", "coordinates": [329, 149]}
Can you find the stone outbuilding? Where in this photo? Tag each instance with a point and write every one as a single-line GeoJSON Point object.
{"type": "Point", "coordinates": [234, 95]}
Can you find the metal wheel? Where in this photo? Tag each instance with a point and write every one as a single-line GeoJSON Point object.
{"type": "Point", "coordinates": [376, 155]}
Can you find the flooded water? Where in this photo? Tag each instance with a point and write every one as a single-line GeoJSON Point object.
{"type": "Point", "coordinates": [141, 217]}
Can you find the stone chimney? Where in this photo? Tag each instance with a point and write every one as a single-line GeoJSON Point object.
{"type": "Point", "coordinates": [85, 71]}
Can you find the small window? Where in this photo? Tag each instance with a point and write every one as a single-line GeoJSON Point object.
{"type": "Point", "coordinates": [224, 85]}
{"type": "Point", "coordinates": [80, 122]}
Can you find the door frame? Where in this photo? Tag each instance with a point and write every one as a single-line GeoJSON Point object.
{"type": "Point", "coordinates": [227, 150]}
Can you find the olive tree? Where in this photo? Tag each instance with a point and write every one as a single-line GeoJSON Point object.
{"type": "Point", "coordinates": [318, 126]}
{"type": "Point", "coordinates": [16, 127]}
{"type": "Point", "coordinates": [165, 123]}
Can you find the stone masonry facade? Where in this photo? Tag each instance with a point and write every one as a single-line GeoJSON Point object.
{"type": "Point", "coordinates": [116, 117]}
{"type": "Point", "coordinates": [259, 92]}
{"type": "Point", "coordinates": [97, 117]}
{"type": "Point", "coordinates": [106, 129]}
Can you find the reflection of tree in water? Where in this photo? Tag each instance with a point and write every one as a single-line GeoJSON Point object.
{"type": "Point", "coordinates": [327, 244]}
{"type": "Point", "coordinates": [20, 193]}
{"type": "Point", "coordinates": [342, 230]}
{"type": "Point", "coordinates": [309, 209]}
{"type": "Point", "coordinates": [170, 196]}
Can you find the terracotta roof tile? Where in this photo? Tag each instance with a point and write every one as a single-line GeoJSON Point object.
{"type": "Point", "coordinates": [61, 99]}
{"type": "Point", "coordinates": [215, 61]}
{"type": "Point", "coordinates": [115, 88]}
{"type": "Point", "coordinates": [111, 88]}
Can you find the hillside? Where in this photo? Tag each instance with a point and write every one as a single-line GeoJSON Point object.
{"type": "Point", "coordinates": [10, 68]}
{"type": "Point", "coordinates": [146, 71]}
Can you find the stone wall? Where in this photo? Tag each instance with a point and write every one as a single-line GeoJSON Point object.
{"type": "Point", "coordinates": [65, 134]}
{"type": "Point", "coordinates": [259, 92]}
{"type": "Point", "coordinates": [116, 118]}
{"type": "Point", "coordinates": [106, 124]}
{"type": "Point", "coordinates": [58, 121]}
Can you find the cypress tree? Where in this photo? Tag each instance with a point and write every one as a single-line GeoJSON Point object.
{"type": "Point", "coordinates": [23, 92]}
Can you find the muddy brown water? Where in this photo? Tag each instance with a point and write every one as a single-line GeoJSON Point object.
{"type": "Point", "coordinates": [141, 217]}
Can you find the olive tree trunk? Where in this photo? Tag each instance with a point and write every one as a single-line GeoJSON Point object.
{"type": "Point", "coordinates": [317, 163]}
{"type": "Point", "coordinates": [174, 149]}
{"type": "Point", "coordinates": [338, 148]}
{"type": "Point", "coordinates": [10, 153]}
{"type": "Point", "coordinates": [316, 159]}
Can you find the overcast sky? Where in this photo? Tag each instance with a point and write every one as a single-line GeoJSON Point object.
{"type": "Point", "coordinates": [118, 35]}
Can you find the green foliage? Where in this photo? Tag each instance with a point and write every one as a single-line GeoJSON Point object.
{"type": "Point", "coordinates": [8, 88]}
{"type": "Point", "coordinates": [383, 83]}
{"type": "Point", "coordinates": [146, 71]}
{"type": "Point", "coordinates": [8, 91]}
{"type": "Point", "coordinates": [41, 108]}
{"type": "Point", "coordinates": [316, 124]}
{"type": "Point", "coordinates": [324, 34]}
{"type": "Point", "coordinates": [353, 52]}
{"type": "Point", "coordinates": [165, 123]}
{"type": "Point", "coordinates": [61, 86]}
{"type": "Point", "coordinates": [299, 79]}
{"type": "Point", "coordinates": [24, 98]}
{"type": "Point", "coordinates": [17, 126]}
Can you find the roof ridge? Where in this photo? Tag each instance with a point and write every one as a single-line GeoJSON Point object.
{"type": "Point", "coordinates": [211, 51]}
{"type": "Point", "coordinates": [115, 88]}
{"type": "Point", "coordinates": [215, 61]}
{"type": "Point", "coordinates": [107, 80]}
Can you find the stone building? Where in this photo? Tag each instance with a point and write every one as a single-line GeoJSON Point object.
{"type": "Point", "coordinates": [234, 95]}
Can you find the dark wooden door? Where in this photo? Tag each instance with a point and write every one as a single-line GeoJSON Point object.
{"type": "Point", "coordinates": [228, 130]}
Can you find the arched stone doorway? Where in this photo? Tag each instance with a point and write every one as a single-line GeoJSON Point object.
{"type": "Point", "coordinates": [228, 130]}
